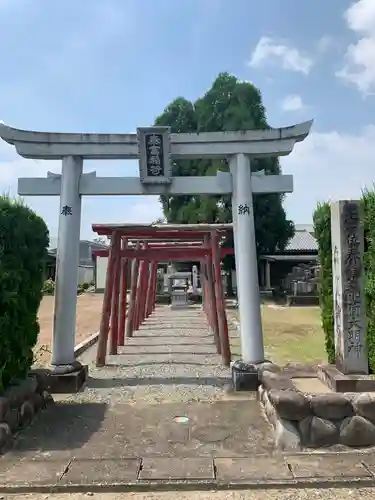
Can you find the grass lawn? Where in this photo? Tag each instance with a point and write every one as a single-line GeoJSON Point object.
{"type": "Point", "coordinates": [291, 335]}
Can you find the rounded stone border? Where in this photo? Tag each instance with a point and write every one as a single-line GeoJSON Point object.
{"type": "Point", "coordinates": [314, 420]}
{"type": "Point", "coordinates": [18, 406]}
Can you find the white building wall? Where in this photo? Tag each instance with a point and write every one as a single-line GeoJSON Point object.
{"type": "Point", "coordinates": [101, 272]}
{"type": "Point", "coordinates": [85, 274]}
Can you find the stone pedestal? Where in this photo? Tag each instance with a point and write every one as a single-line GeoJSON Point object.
{"type": "Point", "coordinates": [244, 376]}
{"type": "Point", "coordinates": [348, 287]}
{"type": "Point", "coordinates": [179, 299]}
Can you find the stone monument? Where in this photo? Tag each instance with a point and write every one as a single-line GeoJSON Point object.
{"type": "Point", "coordinates": [195, 279]}
{"type": "Point", "coordinates": [348, 288]}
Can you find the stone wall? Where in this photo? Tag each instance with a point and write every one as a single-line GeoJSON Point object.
{"type": "Point", "coordinates": [314, 420]}
{"type": "Point", "coordinates": [18, 406]}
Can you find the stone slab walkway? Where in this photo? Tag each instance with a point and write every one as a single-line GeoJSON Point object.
{"type": "Point", "coordinates": [159, 416]}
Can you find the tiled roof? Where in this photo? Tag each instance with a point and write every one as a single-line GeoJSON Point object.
{"type": "Point", "coordinates": [302, 241]}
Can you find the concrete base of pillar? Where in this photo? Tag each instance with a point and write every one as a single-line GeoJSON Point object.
{"type": "Point", "coordinates": [244, 376]}
{"type": "Point", "coordinates": [65, 383]}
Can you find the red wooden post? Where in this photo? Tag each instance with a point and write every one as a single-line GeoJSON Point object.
{"type": "Point", "coordinates": [212, 298]}
{"type": "Point", "coordinates": [107, 302]}
{"type": "Point", "coordinates": [132, 299]}
{"type": "Point", "coordinates": [140, 293]}
{"type": "Point", "coordinates": [144, 292]}
{"type": "Point", "coordinates": [124, 293]}
{"type": "Point", "coordinates": [115, 306]}
{"type": "Point", "coordinates": [150, 288]}
{"type": "Point", "coordinates": [155, 286]}
{"type": "Point", "coordinates": [204, 290]}
{"type": "Point", "coordinates": [220, 301]}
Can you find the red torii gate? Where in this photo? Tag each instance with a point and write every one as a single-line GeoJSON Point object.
{"type": "Point", "coordinates": [145, 246]}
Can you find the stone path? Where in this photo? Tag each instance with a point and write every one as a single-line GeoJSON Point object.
{"type": "Point", "coordinates": [159, 416]}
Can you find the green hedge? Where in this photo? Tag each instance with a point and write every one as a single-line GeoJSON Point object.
{"type": "Point", "coordinates": [23, 251]}
{"type": "Point", "coordinates": [369, 261]}
{"type": "Point", "coordinates": [322, 229]}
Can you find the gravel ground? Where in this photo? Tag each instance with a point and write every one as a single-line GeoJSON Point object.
{"type": "Point", "coordinates": [291, 494]}
{"type": "Point", "coordinates": [172, 358]}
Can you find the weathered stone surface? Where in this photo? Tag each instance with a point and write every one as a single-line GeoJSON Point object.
{"type": "Point", "coordinates": [269, 409]}
{"type": "Point", "coordinates": [47, 398]}
{"type": "Point", "coordinates": [4, 408]}
{"type": "Point", "coordinates": [316, 431]}
{"type": "Point", "coordinates": [17, 394]}
{"type": "Point", "coordinates": [357, 431]}
{"type": "Point", "coordinates": [37, 401]}
{"type": "Point", "coordinates": [261, 391]}
{"type": "Point", "coordinates": [286, 435]}
{"type": "Point", "coordinates": [26, 413]}
{"type": "Point", "coordinates": [290, 405]}
{"type": "Point", "coordinates": [12, 418]}
{"type": "Point", "coordinates": [5, 435]}
{"type": "Point", "coordinates": [269, 367]}
{"type": "Point", "coordinates": [331, 406]}
{"type": "Point", "coordinates": [275, 381]}
{"type": "Point", "coordinates": [364, 405]}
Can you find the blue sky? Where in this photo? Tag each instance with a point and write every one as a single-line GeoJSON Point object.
{"type": "Point", "coordinates": [113, 65]}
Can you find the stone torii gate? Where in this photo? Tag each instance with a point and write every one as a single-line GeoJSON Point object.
{"type": "Point", "coordinates": [156, 148]}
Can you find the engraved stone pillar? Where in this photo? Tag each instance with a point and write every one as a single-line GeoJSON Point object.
{"type": "Point", "coordinates": [195, 279]}
{"type": "Point", "coordinates": [348, 287]}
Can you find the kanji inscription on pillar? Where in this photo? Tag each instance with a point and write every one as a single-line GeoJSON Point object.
{"type": "Point", "coordinates": [154, 155]}
{"type": "Point", "coordinates": [243, 209]}
{"type": "Point", "coordinates": [66, 210]}
{"type": "Point", "coordinates": [348, 287]}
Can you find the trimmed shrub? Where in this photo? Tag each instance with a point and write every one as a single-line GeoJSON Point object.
{"type": "Point", "coordinates": [49, 287]}
{"type": "Point", "coordinates": [23, 251]}
{"type": "Point", "coordinates": [322, 231]}
{"type": "Point", "coordinates": [369, 262]}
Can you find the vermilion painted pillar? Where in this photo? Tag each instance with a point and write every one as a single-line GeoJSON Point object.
{"type": "Point", "coordinates": [107, 302]}
{"type": "Point", "coordinates": [115, 306]}
{"type": "Point", "coordinates": [132, 299]}
{"type": "Point", "coordinates": [212, 297]}
{"type": "Point", "coordinates": [155, 287]}
{"type": "Point", "coordinates": [123, 301]}
{"type": "Point", "coordinates": [150, 289]}
{"type": "Point", "coordinates": [140, 292]}
{"type": "Point", "coordinates": [143, 292]}
{"type": "Point", "coordinates": [220, 301]}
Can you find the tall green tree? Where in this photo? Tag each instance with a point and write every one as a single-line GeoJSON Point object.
{"type": "Point", "coordinates": [229, 105]}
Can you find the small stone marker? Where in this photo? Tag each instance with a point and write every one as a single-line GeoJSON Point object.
{"type": "Point", "coordinates": [348, 287]}
{"type": "Point", "coordinates": [195, 279]}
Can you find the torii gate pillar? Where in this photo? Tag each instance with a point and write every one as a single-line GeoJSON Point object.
{"type": "Point", "coordinates": [246, 262]}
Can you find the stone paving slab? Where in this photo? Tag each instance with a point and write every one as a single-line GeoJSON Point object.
{"type": "Point", "coordinates": [253, 468]}
{"type": "Point", "coordinates": [183, 469]}
{"type": "Point", "coordinates": [100, 431]}
{"type": "Point", "coordinates": [101, 472]}
{"type": "Point", "coordinates": [171, 473]}
{"type": "Point", "coordinates": [329, 466]}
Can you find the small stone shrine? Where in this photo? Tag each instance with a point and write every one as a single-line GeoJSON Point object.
{"type": "Point", "coordinates": [348, 288]}
{"type": "Point", "coordinates": [179, 283]}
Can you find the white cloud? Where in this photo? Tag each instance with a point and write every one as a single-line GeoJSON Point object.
{"type": "Point", "coordinates": [268, 51]}
{"type": "Point", "coordinates": [326, 43]}
{"type": "Point", "coordinates": [292, 103]}
{"type": "Point", "coordinates": [359, 68]}
{"type": "Point", "coordinates": [329, 165]}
